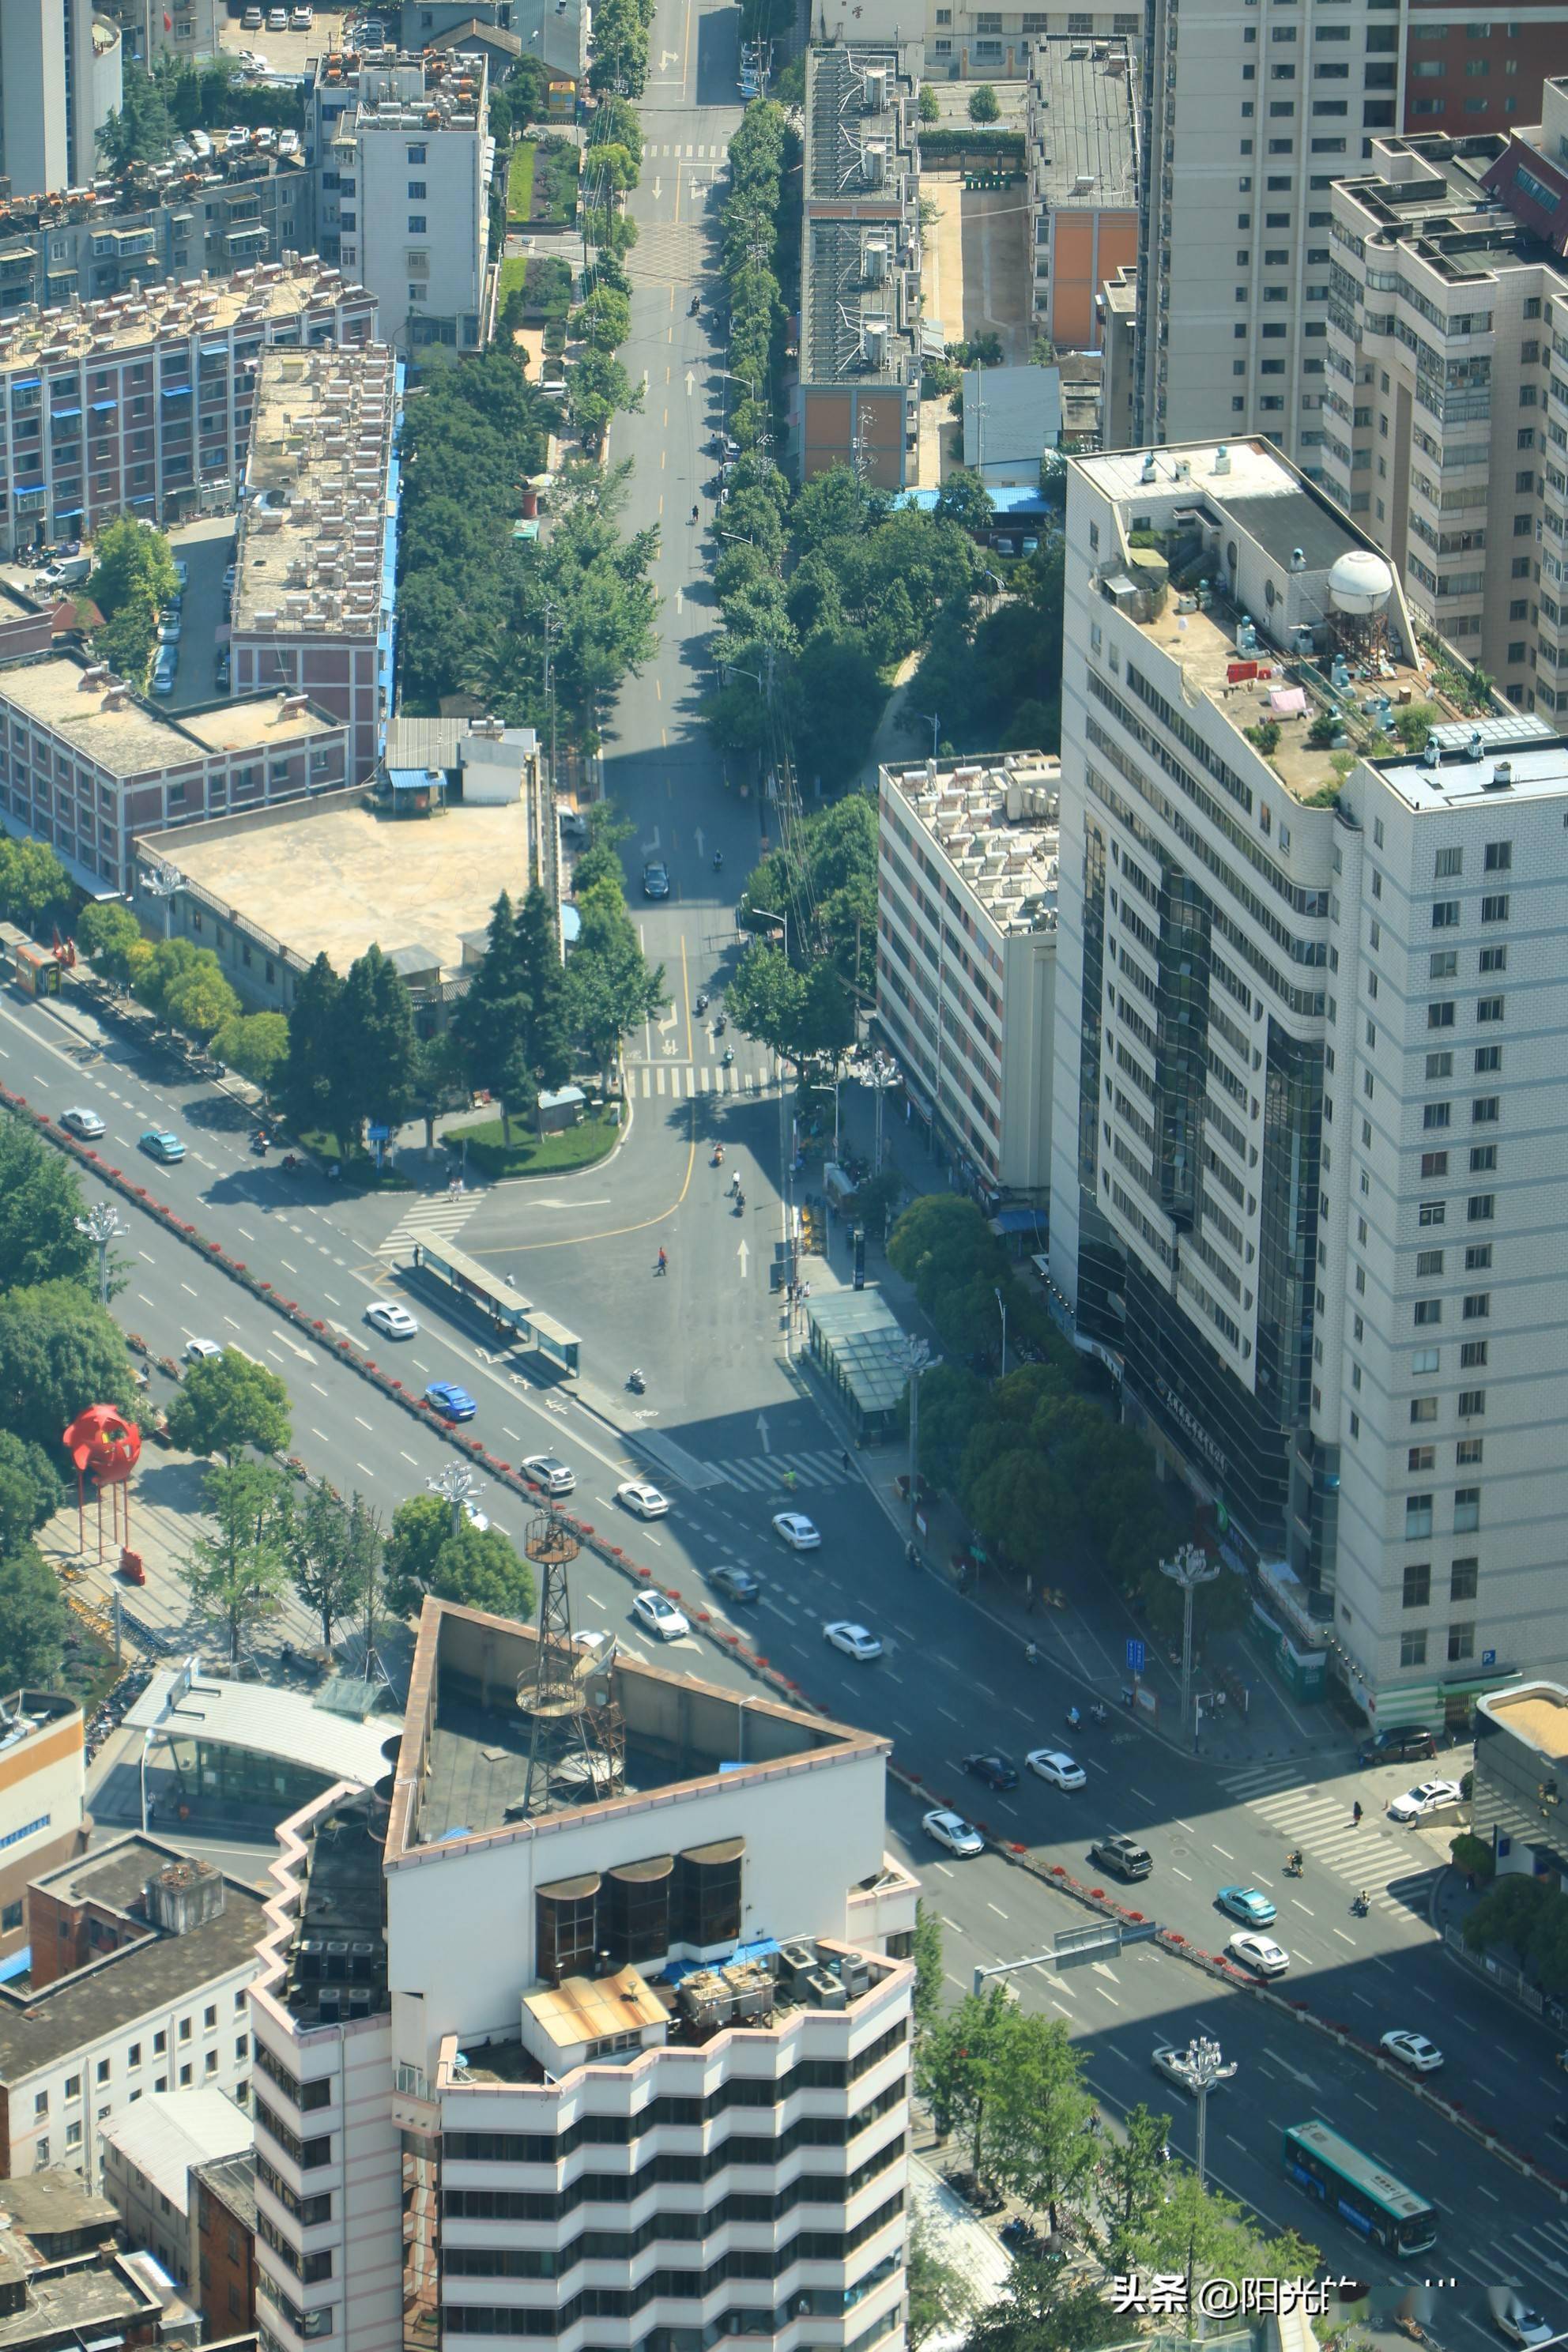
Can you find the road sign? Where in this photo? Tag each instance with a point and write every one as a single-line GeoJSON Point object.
{"type": "Point", "coordinates": [1489, 1657]}
{"type": "Point", "coordinates": [1137, 1655]}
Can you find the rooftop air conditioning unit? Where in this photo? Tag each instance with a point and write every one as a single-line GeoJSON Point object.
{"type": "Point", "coordinates": [874, 162]}
{"type": "Point", "coordinates": [874, 341]}
{"type": "Point", "coordinates": [876, 88]}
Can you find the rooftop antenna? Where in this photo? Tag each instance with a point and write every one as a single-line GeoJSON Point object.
{"type": "Point", "coordinates": [571, 1732]}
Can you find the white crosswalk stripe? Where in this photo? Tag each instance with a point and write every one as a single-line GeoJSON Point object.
{"type": "Point", "coordinates": [683, 1079]}
{"type": "Point", "coordinates": [1329, 1838]}
{"type": "Point", "coordinates": [441, 1218]}
{"type": "Point", "coordinates": [769, 1473]}
{"type": "Point", "coordinates": [1255, 1779]}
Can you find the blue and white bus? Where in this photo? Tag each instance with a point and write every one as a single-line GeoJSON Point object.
{"type": "Point", "coordinates": [1359, 2190]}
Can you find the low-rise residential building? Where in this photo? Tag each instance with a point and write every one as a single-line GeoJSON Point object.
{"type": "Point", "coordinates": [1520, 1784]}
{"type": "Point", "coordinates": [141, 406]}
{"type": "Point", "coordinates": [315, 558]}
{"type": "Point", "coordinates": [1083, 162]}
{"type": "Point", "coordinates": [43, 1805]}
{"type": "Point", "coordinates": [1012, 417]}
{"type": "Point", "coordinates": [151, 2153]}
{"type": "Point", "coordinates": [966, 951]}
{"type": "Point", "coordinates": [222, 2243]}
{"type": "Point", "coordinates": [87, 765]}
{"type": "Point", "coordinates": [402, 158]}
{"type": "Point", "coordinates": [860, 266]}
{"type": "Point", "coordinates": [141, 1963]}
{"type": "Point", "coordinates": [174, 28]}
{"type": "Point", "coordinates": [652, 2009]}
{"type": "Point", "coordinates": [238, 206]}
{"type": "Point", "coordinates": [963, 42]}
{"type": "Point", "coordinates": [51, 2215]}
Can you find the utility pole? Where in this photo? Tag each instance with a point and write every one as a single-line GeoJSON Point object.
{"type": "Point", "coordinates": [917, 1360]}
{"type": "Point", "coordinates": [1208, 2068]}
{"type": "Point", "coordinates": [101, 1226]}
{"type": "Point", "coordinates": [1189, 1568]}
{"type": "Point", "coordinates": [1003, 1305]}
{"type": "Point", "coordinates": [458, 1489]}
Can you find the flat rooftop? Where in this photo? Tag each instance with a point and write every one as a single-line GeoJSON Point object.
{"type": "Point", "coordinates": [331, 882]}
{"type": "Point", "coordinates": [81, 2300]}
{"type": "Point", "coordinates": [1490, 763]}
{"type": "Point", "coordinates": [1538, 1713]}
{"type": "Point", "coordinates": [1247, 614]}
{"type": "Point", "coordinates": [130, 737]}
{"type": "Point", "coordinates": [124, 200]}
{"type": "Point", "coordinates": [1083, 96]}
{"type": "Point", "coordinates": [996, 826]}
{"type": "Point", "coordinates": [96, 2002]}
{"type": "Point", "coordinates": [179, 311]}
{"type": "Point", "coordinates": [309, 553]}
{"type": "Point", "coordinates": [408, 92]}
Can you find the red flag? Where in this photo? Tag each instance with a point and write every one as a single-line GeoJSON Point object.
{"type": "Point", "coordinates": [168, 22]}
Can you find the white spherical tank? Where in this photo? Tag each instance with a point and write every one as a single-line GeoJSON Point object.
{"type": "Point", "coordinates": [1360, 583]}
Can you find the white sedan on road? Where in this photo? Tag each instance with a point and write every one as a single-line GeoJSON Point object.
{"type": "Point", "coordinates": [1261, 1954]}
{"type": "Point", "coordinates": [646, 1501]}
{"type": "Point", "coordinates": [1412, 2050]}
{"type": "Point", "coordinates": [1425, 1798]}
{"type": "Point", "coordinates": [394, 1321]}
{"type": "Point", "coordinates": [554, 1476]}
{"type": "Point", "coordinates": [798, 1531]}
{"type": "Point", "coordinates": [660, 1616]}
{"type": "Point", "coordinates": [85, 1123]}
{"type": "Point", "coordinates": [950, 1830]}
{"type": "Point", "coordinates": [853, 1639]}
{"type": "Point", "coordinates": [198, 1351]}
{"type": "Point", "coordinates": [1058, 1769]}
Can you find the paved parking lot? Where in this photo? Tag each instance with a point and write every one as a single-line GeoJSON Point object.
{"type": "Point", "coordinates": [286, 52]}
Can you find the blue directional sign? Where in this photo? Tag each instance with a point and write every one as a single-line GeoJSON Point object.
{"type": "Point", "coordinates": [1489, 1657]}
{"type": "Point", "coordinates": [1137, 1655]}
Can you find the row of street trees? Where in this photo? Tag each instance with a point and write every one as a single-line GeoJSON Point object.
{"type": "Point", "coordinates": [131, 580]}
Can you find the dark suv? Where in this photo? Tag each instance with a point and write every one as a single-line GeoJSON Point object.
{"type": "Point", "coordinates": [1124, 1855]}
{"type": "Point", "coordinates": [1398, 1743]}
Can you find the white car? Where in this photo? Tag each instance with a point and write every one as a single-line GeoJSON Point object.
{"type": "Point", "coordinates": [660, 1616]}
{"type": "Point", "coordinates": [394, 1321]}
{"type": "Point", "coordinates": [1412, 2050]}
{"type": "Point", "coordinates": [86, 1123]}
{"type": "Point", "coordinates": [198, 1351]}
{"type": "Point", "coordinates": [287, 142]}
{"type": "Point", "coordinates": [1261, 1954]}
{"type": "Point", "coordinates": [236, 136]}
{"type": "Point", "coordinates": [646, 1501]}
{"type": "Point", "coordinates": [798, 1531]}
{"type": "Point", "coordinates": [554, 1476]}
{"type": "Point", "coordinates": [853, 1639]}
{"type": "Point", "coordinates": [1058, 1769]}
{"type": "Point", "coordinates": [479, 1520]}
{"type": "Point", "coordinates": [1425, 1798]}
{"type": "Point", "coordinates": [950, 1830]}
{"type": "Point", "coordinates": [1522, 2325]}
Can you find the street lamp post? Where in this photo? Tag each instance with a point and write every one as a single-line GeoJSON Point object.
{"type": "Point", "coordinates": [458, 1488]}
{"type": "Point", "coordinates": [1003, 1305]}
{"type": "Point", "coordinates": [162, 882]}
{"type": "Point", "coordinates": [917, 1360]}
{"type": "Point", "coordinates": [1189, 1568]}
{"type": "Point", "coordinates": [1209, 2066]}
{"type": "Point", "coordinates": [935, 725]}
{"type": "Point", "coordinates": [101, 1226]}
{"type": "Point", "coordinates": [881, 1074]}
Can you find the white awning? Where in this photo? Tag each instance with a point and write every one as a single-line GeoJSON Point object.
{"type": "Point", "coordinates": [264, 1721]}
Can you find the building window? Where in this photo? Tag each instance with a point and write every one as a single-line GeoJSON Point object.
{"type": "Point", "coordinates": [1417, 1515]}
{"type": "Point", "coordinates": [1481, 1208]}
{"type": "Point", "coordinates": [1440, 1015]}
{"type": "Point", "coordinates": [416, 154]}
{"type": "Point", "coordinates": [1428, 1265]}
{"type": "Point", "coordinates": [1478, 1305]}
{"type": "Point", "coordinates": [1478, 1257]}
{"type": "Point", "coordinates": [1434, 1213]}
{"type": "Point", "coordinates": [1473, 1355]}
{"type": "Point", "coordinates": [1461, 1642]}
{"type": "Point", "coordinates": [1466, 1509]}
{"type": "Point", "coordinates": [1495, 909]}
{"type": "Point", "coordinates": [1421, 1458]}
{"type": "Point", "coordinates": [1418, 1585]}
{"type": "Point", "coordinates": [1422, 1409]}
{"type": "Point", "coordinates": [1443, 963]}
{"type": "Point", "coordinates": [1472, 1404]}
{"type": "Point", "coordinates": [1412, 1649]}
{"type": "Point", "coordinates": [1467, 1453]}
{"type": "Point", "coordinates": [1449, 865]}
{"type": "Point", "coordinates": [1498, 856]}
{"type": "Point", "coordinates": [1433, 1163]}
{"type": "Point", "coordinates": [1463, 1578]}
{"type": "Point", "coordinates": [1445, 915]}
{"type": "Point", "coordinates": [1488, 1008]}
{"type": "Point", "coordinates": [100, 2072]}
{"type": "Point", "coordinates": [1493, 959]}
{"type": "Point", "coordinates": [1483, 1159]}
{"type": "Point", "coordinates": [1438, 1066]}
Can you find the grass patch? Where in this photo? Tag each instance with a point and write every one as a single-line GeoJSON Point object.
{"type": "Point", "coordinates": [359, 1169]}
{"type": "Point", "coordinates": [561, 160]}
{"type": "Point", "coordinates": [593, 1138]}
{"type": "Point", "coordinates": [519, 180]}
{"type": "Point", "coordinates": [513, 278]}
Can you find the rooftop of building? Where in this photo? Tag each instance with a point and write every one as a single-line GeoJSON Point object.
{"type": "Point", "coordinates": [1481, 763]}
{"type": "Point", "coordinates": [306, 1728]}
{"type": "Point", "coordinates": [105, 722]}
{"type": "Point", "coordinates": [160, 1968]}
{"type": "Point", "coordinates": [142, 189]}
{"type": "Point", "coordinates": [335, 874]}
{"type": "Point", "coordinates": [1276, 610]}
{"type": "Point", "coordinates": [1536, 1713]}
{"type": "Point", "coordinates": [309, 553]}
{"type": "Point", "coordinates": [52, 2212]}
{"type": "Point", "coordinates": [1435, 198]}
{"type": "Point", "coordinates": [400, 90]}
{"type": "Point", "coordinates": [231, 2181]}
{"type": "Point", "coordinates": [84, 2300]}
{"type": "Point", "coordinates": [996, 824]}
{"type": "Point", "coordinates": [166, 2133]}
{"type": "Point", "coordinates": [860, 175]}
{"type": "Point", "coordinates": [1083, 98]}
{"type": "Point", "coordinates": [182, 310]}
{"type": "Point", "coordinates": [25, 1713]}
{"type": "Point", "coordinates": [1120, 293]}
{"type": "Point", "coordinates": [857, 136]}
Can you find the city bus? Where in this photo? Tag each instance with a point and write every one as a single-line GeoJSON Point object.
{"type": "Point", "coordinates": [1360, 2191]}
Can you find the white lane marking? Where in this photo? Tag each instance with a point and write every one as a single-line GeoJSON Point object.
{"type": "Point", "coordinates": [291, 1269]}
{"type": "Point", "coordinates": [408, 1457]}
{"type": "Point", "coordinates": [319, 1389]}
{"type": "Point", "coordinates": [1224, 1856]}
{"type": "Point", "coordinates": [997, 1908]}
{"type": "Point", "coordinates": [362, 1421]}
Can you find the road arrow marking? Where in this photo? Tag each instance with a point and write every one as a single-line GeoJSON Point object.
{"type": "Point", "coordinates": [657, 190]}
{"type": "Point", "coordinates": [762, 1420]}
{"type": "Point", "coordinates": [1297, 2073]}
{"type": "Point", "coordinates": [696, 837]}
{"type": "Point", "coordinates": [690, 382]}
{"type": "Point", "coordinates": [745, 1257]}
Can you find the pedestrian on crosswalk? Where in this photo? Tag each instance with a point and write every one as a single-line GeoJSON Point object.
{"type": "Point", "coordinates": [1355, 1814]}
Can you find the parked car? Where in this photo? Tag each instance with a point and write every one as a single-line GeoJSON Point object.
{"type": "Point", "coordinates": [996, 1769]}
{"type": "Point", "coordinates": [951, 1831]}
{"type": "Point", "coordinates": [164, 669]}
{"type": "Point", "coordinates": [287, 142]}
{"type": "Point", "coordinates": [1124, 1855]}
{"type": "Point", "coordinates": [1412, 2050]}
{"type": "Point", "coordinates": [394, 1321]}
{"type": "Point", "coordinates": [1425, 1798]}
{"type": "Point", "coordinates": [171, 621]}
{"type": "Point", "coordinates": [277, 20]}
{"type": "Point", "coordinates": [300, 20]}
{"type": "Point", "coordinates": [554, 1476]}
{"type": "Point", "coordinates": [252, 21]}
{"type": "Point", "coordinates": [854, 1640]}
{"type": "Point", "coordinates": [1399, 1743]}
{"type": "Point", "coordinates": [452, 1403]}
{"type": "Point", "coordinates": [161, 1143]}
{"type": "Point", "coordinates": [85, 1123]}
{"type": "Point", "coordinates": [660, 1616]}
{"type": "Point", "coordinates": [182, 574]}
{"type": "Point", "coordinates": [1246, 1903]}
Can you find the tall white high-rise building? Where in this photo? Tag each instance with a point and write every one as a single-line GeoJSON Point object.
{"type": "Point", "coordinates": [59, 81]}
{"type": "Point", "coordinates": [1310, 1096]}
{"type": "Point", "coordinates": [630, 2068]}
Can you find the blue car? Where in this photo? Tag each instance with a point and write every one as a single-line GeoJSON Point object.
{"type": "Point", "coordinates": [449, 1400]}
{"type": "Point", "coordinates": [1245, 1903]}
{"type": "Point", "coordinates": [159, 1143]}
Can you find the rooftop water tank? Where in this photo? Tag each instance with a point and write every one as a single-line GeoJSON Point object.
{"type": "Point", "coordinates": [1360, 582]}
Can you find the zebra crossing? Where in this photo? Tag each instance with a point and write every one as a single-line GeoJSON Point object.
{"type": "Point", "coordinates": [785, 1473]}
{"type": "Point", "coordinates": [685, 1078]}
{"type": "Point", "coordinates": [676, 153]}
{"type": "Point", "coordinates": [440, 1218]}
{"type": "Point", "coordinates": [1319, 1822]}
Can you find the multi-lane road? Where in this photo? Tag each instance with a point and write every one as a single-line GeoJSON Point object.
{"type": "Point", "coordinates": [735, 1434]}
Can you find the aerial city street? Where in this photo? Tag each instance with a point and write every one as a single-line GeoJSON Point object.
{"type": "Point", "coordinates": [779, 996]}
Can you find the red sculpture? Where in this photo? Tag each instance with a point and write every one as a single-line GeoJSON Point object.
{"type": "Point", "coordinates": [106, 1448]}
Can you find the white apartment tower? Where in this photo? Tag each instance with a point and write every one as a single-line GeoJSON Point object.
{"type": "Point", "coordinates": [626, 2069]}
{"type": "Point", "coordinates": [1309, 1105]}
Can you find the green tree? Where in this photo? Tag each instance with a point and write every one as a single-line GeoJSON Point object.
{"type": "Point", "coordinates": [965, 499]}
{"type": "Point", "coordinates": [325, 1554]}
{"type": "Point", "coordinates": [1196, 2232]}
{"type": "Point", "coordinates": [59, 1352]}
{"type": "Point", "coordinates": [604, 320]}
{"type": "Point", "coordinates": [597, 386]}
{"type": "Point", "coordinates": [1222, 1607]}
{"type": "Point", "coordinates": [40, 1200]}
{"type": "Point", "coordinates": [237, 1575]}
{"type": "Point", "coordinates": [312, 1072]}
{"type": "Point", "coordinates": [433, 1549]}
{"type": "Point", "coordinates": [32, 1489]}
{"type": "Point", "coordinates": [610, 988]}
{"type": "Point", "coordinates": [1042, 2149]}
{"type": "Point", "coordinates": [377, 1043]}
{"type": "Point", "coordinates": [983, 104]}
{"type": "Point", "coordinates": [953, 1402]}
{"type": "Point", "coordinates": [139, 130]}
{"type": "Point", "coordinates": [1044, 2308]}
{"type": "Point", "coordinates": [436, 1080]}
{"type": "Point", "coordinates": [107, 931]}
{"type": "Point", "coordinates": [34, 884]}
{"type": "Point", "coordinates": [257, 1046]}
{"type": "Point", "coordinates": [226, 1404]}
{"type": "Point", "coordinates": [127, 641]}
{"type": "Point", "coordinates": [766, 998]}
{"type": "Point", "coordinates": [962, 2063]}
{"type": "Point", "coordinates": [941, 2298]}
{"type": "Point", "coordinates": [1135, 2179]}
{"type": "Point", "coordinates": [200, 1001]}
{"type": "Point", "coordinates": [130, 560]}
{"type": "Point", "coordinates": [34, 1621]}
{"type": "Point", "coordinates": [929, 1970]}
{"type": "Point", "coordinates": [929, 106]}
